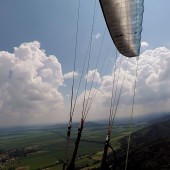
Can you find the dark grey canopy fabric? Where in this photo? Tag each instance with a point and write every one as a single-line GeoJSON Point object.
{"type": "Point", "coordinates": [124, 20]}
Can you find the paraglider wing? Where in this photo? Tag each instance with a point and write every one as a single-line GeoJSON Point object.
{"type": "Point", "coordinates": [124, 21]}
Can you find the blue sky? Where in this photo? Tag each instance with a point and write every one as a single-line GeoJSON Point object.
{"type": "Point", "coordinates": [53, 24]}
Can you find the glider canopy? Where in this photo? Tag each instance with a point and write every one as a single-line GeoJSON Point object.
{"type": "Point", "coordinates": [124, 21]}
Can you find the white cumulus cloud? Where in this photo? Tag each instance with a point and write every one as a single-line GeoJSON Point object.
{"type": "Point", "coordinates": [69, 75]}
{"type": "Point", "coordinates": [152, 90]}
{"type": "Point", "coordinates": [93, 75]}
{"type": "Point", "coordinates": [144, 44]}
{"type": "Point", "coordinates": [29, 86]}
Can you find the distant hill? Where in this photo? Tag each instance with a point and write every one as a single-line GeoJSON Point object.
{"type": "Point", "coordinates": [88, 124]}
{"type": "Point", "coordinates": [149, 148]}
{"type": "Point", "coordinates": [148, 118]}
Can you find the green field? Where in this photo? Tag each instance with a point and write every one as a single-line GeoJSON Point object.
{"type": "Point", "coordinates": [50, 141]}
